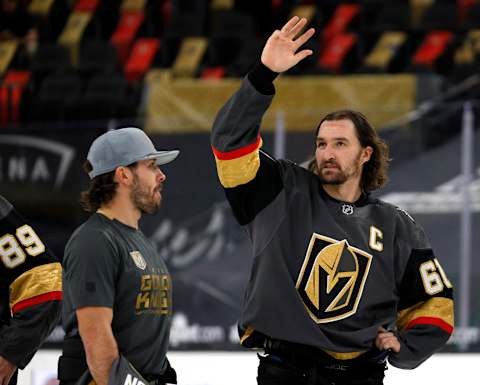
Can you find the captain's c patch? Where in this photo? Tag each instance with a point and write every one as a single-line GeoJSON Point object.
{"type": "Point", "coordinates": [332, 278]}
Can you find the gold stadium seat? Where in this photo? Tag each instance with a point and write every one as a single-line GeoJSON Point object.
{"type": "Point", "coordinates": [189, 56]}
{"type": "Point", "coordinates": [384, 50]}
{"type": "Point", "coordinates": [40, 7]}
{"type": "Point", "coordinates": [469, 50]}
{"type": "Point", "coordinates": [7, 52]}
{"type": "Point", "coordinates": [222, 4]}
{"type": "Point", "coordinates": [418, 8]}
{"type": "Point", "coordinates": [72, 34]}
{"type": "Point", "coordinates": [133, 5]}
{"type": "Point", "coordinates": [307, 11]}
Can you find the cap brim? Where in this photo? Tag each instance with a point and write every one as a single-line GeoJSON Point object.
{"type": "Point", "coordinates": [164, 157]}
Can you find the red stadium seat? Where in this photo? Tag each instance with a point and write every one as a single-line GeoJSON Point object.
{"type": "Point", "coordinates": [213, 73]}
{"type": "Point", "coordinates": [17, 78]}
{"type": "Point", "coordinates": [125, 33]}
{"type": "Point", "coordinates": [4, 105]}
{"type": "Point", "coordinates": [432, 48]}
{"type": "Point", "coordinates": [334, 54]}
{"type": "Point", "coordinates": [463, 8]}
{"type": "Point", "coordinates": [141, 58]}
{"type": "Point", "coordinates": [341, 18]}
{"type": "Point", "coordinates": [86, 5]}
{"type": "Point", "coordinates": [11, 91]}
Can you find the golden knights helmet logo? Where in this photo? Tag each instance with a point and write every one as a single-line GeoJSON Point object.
{"type": "Point", "coordinates": [138, 259]}
{"type": "Point", "coordinates": [332, 278]}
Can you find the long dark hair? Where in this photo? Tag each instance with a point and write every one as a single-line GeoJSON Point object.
{"type": "Point", "coordinates": [374, 174]}
{"type": "Point", "coordinates": [101, 190]}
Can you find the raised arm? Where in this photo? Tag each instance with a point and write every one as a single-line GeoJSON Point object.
{"type": "Point", "coordinates": [250, 177]}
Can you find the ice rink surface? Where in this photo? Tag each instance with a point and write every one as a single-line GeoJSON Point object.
{"type": "Point", "coordinates": [239, 368]}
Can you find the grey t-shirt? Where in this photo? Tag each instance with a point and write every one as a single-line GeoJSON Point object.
{"type": "Point", "coordinates": [110, 264]}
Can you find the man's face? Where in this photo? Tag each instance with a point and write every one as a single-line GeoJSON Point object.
{"type": "Point", "coordinates": [339, 154]}
{"type": "Point", "coordinates": [147, 186]}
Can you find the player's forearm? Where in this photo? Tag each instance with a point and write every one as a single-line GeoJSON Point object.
{"type": "Point", "coordinates": [100, 356]}
{"type": "Point", "coordinates": [417, 345]}
{"type": "Point", "coordinates": [237, 124]}
{"type": "Point", "coordinates": [27, 330]}
{"type": "Point", "coordinates": [95, 327]}
{"type": "Point", "coordinates": [238, 121]}
{"type": "Point", "coordinates": [262, 79]}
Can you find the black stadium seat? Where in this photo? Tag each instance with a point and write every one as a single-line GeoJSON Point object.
{"type": "Point", "coordinates": [232, 24]}
{"type": "Point", "coordinates": [232, 41]}
{"type": "Point", "coordinates": [440, 16]}
{"type": "Point", "coordinates": [472, 19]}
{"type": "Point", "coordinates": [391, 17]}
{"type": "Point", "coordinates": [185, 24]}
{"type": "Point", "coordinates": [49, 58]}
{"type": "Point", "coordinates": [246, 57]}
{"type": "Point", "coordinates": [181, 26]}
{"type": "Point", "coordinates": [106, 96]}
{"type": "Point", "coordinates": [97, 57]}
{"type": "Point", "coordinates": [57, 98]}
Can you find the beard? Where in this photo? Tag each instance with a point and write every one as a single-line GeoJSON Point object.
{"type": "Point", "coordinates": [335, 174]}
{"type": "Point", "coordinates": [145, 200]}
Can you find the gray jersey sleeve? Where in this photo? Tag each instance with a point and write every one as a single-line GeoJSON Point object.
{"type": "Point", "coordinates": [90, 268]}
{"type": "Point", "coordinates": [425, 312]}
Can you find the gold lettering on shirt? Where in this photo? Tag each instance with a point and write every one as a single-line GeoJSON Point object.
{"type": "Point", "coordinates": [155, 294]}
{"type": "Point", "coordinates": [143, 300]}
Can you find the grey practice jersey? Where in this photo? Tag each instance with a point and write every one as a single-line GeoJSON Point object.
{"type": "Point", "coordinates": [325, 273]}
{"type": "Point", "coordinates": [108, 263]}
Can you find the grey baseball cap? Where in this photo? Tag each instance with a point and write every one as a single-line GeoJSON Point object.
{"type": "Point", "coordinates": [123, 147]}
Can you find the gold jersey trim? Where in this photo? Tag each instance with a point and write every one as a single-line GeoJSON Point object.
{"type": "Point", "coordinates": [35, 282]}
{"type": "Point", "coordinates": [238, 171]}
{"type": "Point", "coordinates": [344, 356]}
{"type": "Point", "coordinates": [436, 307]}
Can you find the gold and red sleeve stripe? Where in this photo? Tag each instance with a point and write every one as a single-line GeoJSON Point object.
{"type": "Point", "coordinates": [238, 166]}
{"type": "Point", "coordinates": [437, 311]}
{"type": "Point", "coordinates": [38, 285]}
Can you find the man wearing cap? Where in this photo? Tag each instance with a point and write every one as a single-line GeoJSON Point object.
{"type": "Point", "coordinates": [117, 290]}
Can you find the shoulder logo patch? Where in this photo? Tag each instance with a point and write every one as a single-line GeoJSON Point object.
{"type": "Point", "coordinates": [332, 278]}
{"type": "Point", "coordinates": [138, 259]}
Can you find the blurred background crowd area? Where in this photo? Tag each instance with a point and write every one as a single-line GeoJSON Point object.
{"type": "Point", "coordinates": [71, 60]}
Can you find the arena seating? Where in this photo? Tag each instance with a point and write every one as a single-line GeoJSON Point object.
{"type": "Point", "coordinates": [110, 46]}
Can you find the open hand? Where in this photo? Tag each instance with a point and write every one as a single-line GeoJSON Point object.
{"type": "Point", "coordinates": [387, 340]}
{"type": "Point", "coordinates": [280, 51]}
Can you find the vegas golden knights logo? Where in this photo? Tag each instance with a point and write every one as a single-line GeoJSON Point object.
{"type": "Point", "coordinates": [332, 278]}
{"type": "Point", "coordinates": [138, 259]}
